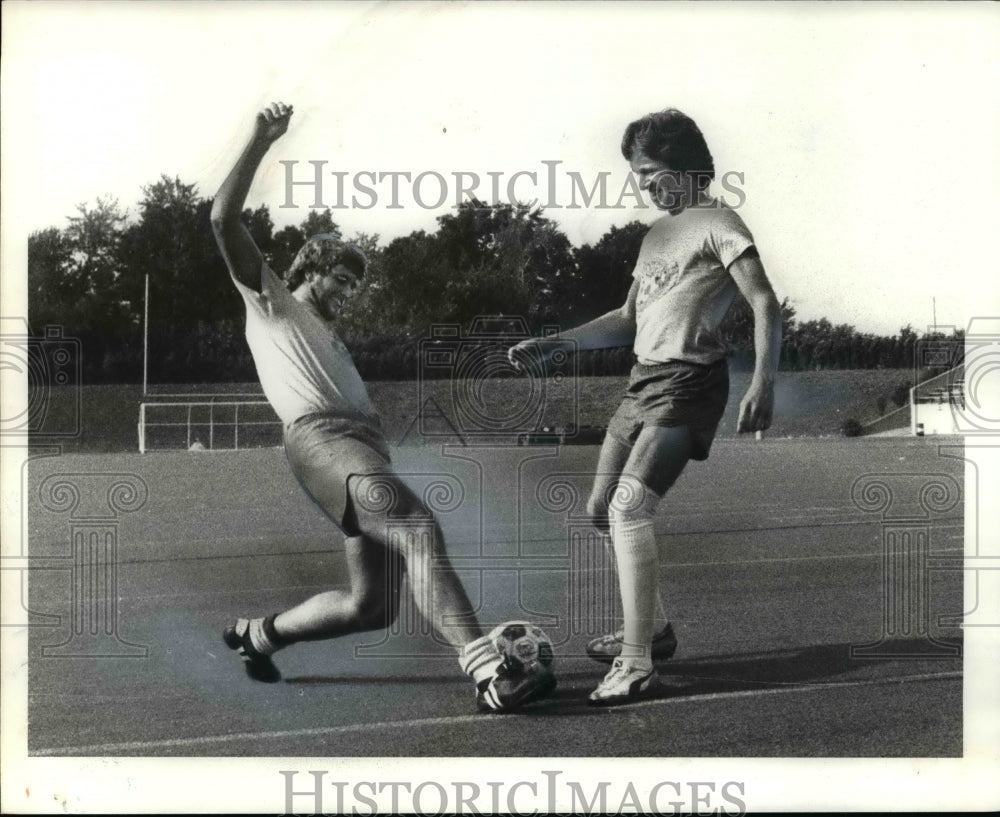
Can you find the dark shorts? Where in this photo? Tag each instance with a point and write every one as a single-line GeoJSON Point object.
{"type": "Point", "coordinates": [325, 450]}
{"type": "Point", "coordinates": [674, 394]}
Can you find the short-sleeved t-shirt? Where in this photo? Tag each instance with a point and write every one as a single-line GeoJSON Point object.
{"type": "Point", "coordinates": [303, 366]}
{"type": "Point", "coordinates": [685, 288]}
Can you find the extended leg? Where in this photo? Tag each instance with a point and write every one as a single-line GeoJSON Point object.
{"type": "Point", "coordinates": [371, 602]}
{"type": "Point", "coordinates": [658, 458]}
{"type": "Point", "coordinates": [388, 512]}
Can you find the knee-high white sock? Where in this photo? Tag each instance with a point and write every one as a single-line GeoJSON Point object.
{"type": "Point", "coordinates": [660, 611]}
{"type": "Point", "coordinates": [636, 557]}
{"type": "Point", "coordinates": [480, 658]}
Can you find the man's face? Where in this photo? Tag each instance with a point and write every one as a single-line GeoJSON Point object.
{"type": "Point", "coordinates": [329, 291]}
{"type": "Point", "coordinates": [668, 189]}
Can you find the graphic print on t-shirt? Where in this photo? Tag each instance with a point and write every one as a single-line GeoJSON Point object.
{"type": "Point", "coordinates": [655, 279]}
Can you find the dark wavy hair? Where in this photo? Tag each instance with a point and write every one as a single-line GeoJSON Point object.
{"type": "Point", "coordinates": [673, 138]}
{"type": "Point", "coordinates": [321, 253]}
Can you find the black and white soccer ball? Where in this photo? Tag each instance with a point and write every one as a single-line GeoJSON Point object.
{"type": "Point", "coordinates": [523, 645]}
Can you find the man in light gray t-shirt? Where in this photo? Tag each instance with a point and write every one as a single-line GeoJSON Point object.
{"type": "Point", "coordinates": [693, 262]}
{"type": "Point", "coordinates": [336, 449]}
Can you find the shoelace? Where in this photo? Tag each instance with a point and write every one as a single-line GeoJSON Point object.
{"type": "Point", "coordinates": [618, 669]}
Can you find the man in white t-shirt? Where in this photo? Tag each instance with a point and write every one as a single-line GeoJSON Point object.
{"type": "Point", "coordinates": [692, 264]}
{"type": "Point", "coordinates": [335, 447]}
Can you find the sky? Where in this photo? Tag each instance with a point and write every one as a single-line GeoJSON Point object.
{"type": "Point", "coordinates": [861, 137]}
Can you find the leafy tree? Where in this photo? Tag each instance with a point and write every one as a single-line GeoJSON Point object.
{"type": "Point", "coordinates": [55, 292]}
{"type": "Point", "coordinates": [496, 259]}
{"type": "Point", "coordinates": [738, 327]}
{"type": "Point", "coordinates": [287, 242]}
{"type": "Point", "coordinates": [172, 243]}
{"type": "Point", "coordinates": [319, 221]}
{"type": "Point", "coordinates": [94, 236]}
{"type": "Point", "coordinates": [603, 273]}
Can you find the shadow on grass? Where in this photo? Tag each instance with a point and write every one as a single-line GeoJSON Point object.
{"type": "Point", "coordinates": [822, 666]}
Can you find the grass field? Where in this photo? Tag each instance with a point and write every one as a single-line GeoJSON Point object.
{"type": "Point", "coordinates": [809, 404]}
{"type": "Point", "coordinates": [772, 584]}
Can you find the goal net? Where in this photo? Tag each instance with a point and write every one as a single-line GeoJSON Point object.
{"type": "Point", "coordinates": [207, 425]}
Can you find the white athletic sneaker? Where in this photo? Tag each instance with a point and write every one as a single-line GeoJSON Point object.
{"type": "Point", "coordinates": [623, 684]}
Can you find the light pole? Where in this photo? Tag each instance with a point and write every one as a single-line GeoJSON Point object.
{"type": "Point", "coordinates": [145, 337]}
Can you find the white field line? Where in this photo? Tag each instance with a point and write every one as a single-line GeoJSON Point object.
{"type": "Point", "coordinates": [107, 749]}
{"type": "Point", "coordinates": [511, 563]}
{"type": "Point", "coordinates": [455, 542]}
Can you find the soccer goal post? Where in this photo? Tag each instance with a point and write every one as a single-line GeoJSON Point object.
{"type": "Point", "coordinates": [207, 425]}
{"type": "Point", "coordinates": [937, 404]}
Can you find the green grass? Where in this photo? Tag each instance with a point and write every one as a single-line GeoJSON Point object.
{"type": "Point", "coordinates": [809, 404]}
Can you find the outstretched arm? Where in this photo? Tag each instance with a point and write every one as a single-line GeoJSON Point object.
{"type": "Point", "coordinates": [238, 249]}
{"type": "Point", "coordinates": [757, 407]}
{"type": "Point", "coordinates": [614, 328]}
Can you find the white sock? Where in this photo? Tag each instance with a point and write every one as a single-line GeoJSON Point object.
{"type": "Point", "coordinates": [480, 658]}
{"type": "Point", "coordinates": [660, 614]}
{"type": "Point", "coordinates": [259, 638]}
{"type": "Point", "coordinates": [636, 556]}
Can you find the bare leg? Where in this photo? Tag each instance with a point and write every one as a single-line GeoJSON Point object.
{"type": "Point", "coordinates": [399, 520]}
{"type": "Point", "coordinates": [371, 603]}
{"type": "Point", "coordinates": [610, 462]}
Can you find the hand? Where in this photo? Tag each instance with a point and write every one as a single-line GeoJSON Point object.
{"type": "Point", "coordinates": [757, 407]}
{"type": "Point", "coordinates": [528, 354]}
{"type": "Point", "coordinates": [522, 352]}
{"type": "Point", "coordinates": [272, 122]}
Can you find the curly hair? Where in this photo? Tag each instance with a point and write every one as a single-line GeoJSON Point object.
{"type": "Point", "coordinates": [673, 138]}
{"type": "Point", "coordinates": [321, 253]}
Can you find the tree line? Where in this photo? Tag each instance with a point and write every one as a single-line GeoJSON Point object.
{"type": "Point", "coordinates": [90, 277]}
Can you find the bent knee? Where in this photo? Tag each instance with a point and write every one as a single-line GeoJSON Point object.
{"type": "Point", "coordinates": [633, 502]}
{"type": "Point", "coordinates": [375, 611]}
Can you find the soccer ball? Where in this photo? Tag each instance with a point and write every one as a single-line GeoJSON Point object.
{"type": "Point", "coordinates": [524, 645]}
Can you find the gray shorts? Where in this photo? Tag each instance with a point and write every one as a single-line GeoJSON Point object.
{"type": "Point", "coordinates": [674, 394]}
{"type": "Point", "coordinates": [325, 450]}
